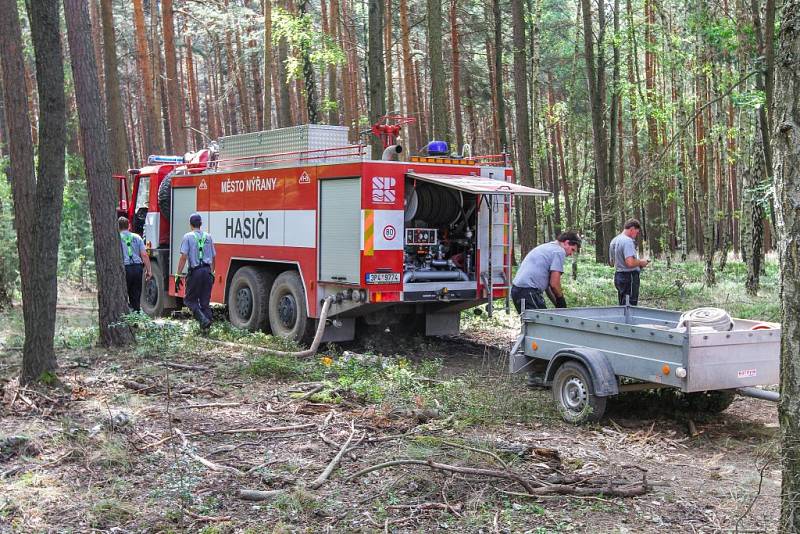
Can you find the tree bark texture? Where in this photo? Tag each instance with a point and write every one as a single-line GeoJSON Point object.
{"type": "Point", "coordinates": [111, 290]}
{"type": "Point", "coordinates": [440, 120]}
{"type": "Point", "coordinates": [153, 140]}
{"type": "Point", "coordinates": [604, 222]}
{"type": "Point", "coordinates": [528, 221]}
{"type": "Point", "coordinates": [498, 73]}
{"type": "Point", "coordinates": [377, 77]}
{"type": "Point", "coordinates": [37, 199]}
{"type": "Point", "coordinates": [118, 140]}
{"type": "Point", "coordinates": [787, 200]}
{"type": "Point", "coordinates": [177, 121]}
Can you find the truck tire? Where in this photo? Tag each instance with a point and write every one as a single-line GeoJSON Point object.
{"type": "Point", "coordinates": [574, 394]}
{"type": "Point", "coordinates": [248, 299]}
{"type": "Point", "coordinates": [165, 195]}
{"type": "Point", "coordinates": [155, 301]}
{"type": "Point", "coordinates": [288, 316]}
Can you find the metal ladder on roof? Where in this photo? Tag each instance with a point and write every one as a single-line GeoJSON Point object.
{"type": "Point", "coordinates": [506, 203]}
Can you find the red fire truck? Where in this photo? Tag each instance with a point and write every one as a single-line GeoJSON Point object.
{"type": "Point", "coordinates": [300, 214]}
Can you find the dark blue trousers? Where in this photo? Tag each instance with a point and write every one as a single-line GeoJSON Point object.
{"type": "Point", "coordinates": [133, 281]}
{"type": "Point", "coordinates": [627, 284]}
{"type": "Point", "coordinates": [198, 294]}
{"type": "Point", "coordinates": [533, 298]}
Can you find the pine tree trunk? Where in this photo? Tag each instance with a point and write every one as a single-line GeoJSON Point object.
{"type": "Point", "coordinates": [455, 45]}
{"type": "Point", "coordinates": [40, 193]}
{"type": "Point", "coordinates": [387, 56]}
{"type": "Point", "coordinates": [333, 83]}
{"type": "Point", "coordinates": [177, 121]}
{"type": "Point", "coordinates": [153, 140]}
{"type": "Point", "coordinates": [595, 69]}
{"type": "Point", "coordinates": [523, 138]}
{"type": "Point", "coordinates": [498, 72]}
{"type": "Point", "coordinates": [440, 120]}
{"type": "Point", "coordinates": [787, 184]}
{"type": "Point", "coordinates": [268, 60]}
{"type": "Point", "coordinates": [194, 97]}
{"type": "Point", "coordinates": [377, 80]}
{"type": "Point", "coordinates": [408, 78]}
{"type": "Point", "coordinates": [118, 141]}
{"type": "Point", "coordinates": [111, 293]}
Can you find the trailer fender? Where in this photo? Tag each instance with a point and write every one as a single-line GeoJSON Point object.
{"type": "Point", "coordinates": [603, 378]}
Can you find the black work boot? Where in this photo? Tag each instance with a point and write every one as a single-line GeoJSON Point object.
{"type": "Point", "coordinates": [535, 381]}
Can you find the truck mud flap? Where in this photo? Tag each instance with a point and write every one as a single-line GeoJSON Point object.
{"type": "Point", "coordinates": [517, 361]}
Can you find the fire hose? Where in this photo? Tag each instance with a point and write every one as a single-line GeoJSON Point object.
{"type": "Point", "coordinates": [715, 318]}
{"type": "Point", "coordinates": [310, 351]}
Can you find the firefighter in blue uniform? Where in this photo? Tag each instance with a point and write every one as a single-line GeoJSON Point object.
{"type": "Point", "coordinates": [197, 248]}
{"type": "Point", "coordinates": [136, 261]}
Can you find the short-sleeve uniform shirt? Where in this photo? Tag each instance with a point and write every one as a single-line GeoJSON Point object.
{"type": "Point", "coordinates": [622, 247]}
{"type": "Point", "coordinates": [190, 247]}
{"type": "Point", "coordinates": [132, 247]}
{"type": "Point", "coordinates": [537, 265]}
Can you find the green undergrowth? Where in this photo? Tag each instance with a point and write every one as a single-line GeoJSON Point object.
{"type": "Point", "coordinates": [401, 386]}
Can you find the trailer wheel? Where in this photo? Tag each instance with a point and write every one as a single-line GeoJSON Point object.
{"type": "Point", "coordinates": [154, 301]}
{"type": "Point", "coordinates": [574, 394]}
{"type": "Point", "coordinates": [288, 316]}
{"type": "Point", "coordinates": [248, 299]}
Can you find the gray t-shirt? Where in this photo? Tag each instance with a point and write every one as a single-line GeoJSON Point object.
{"type": "Point", "coordinates": [189, 246]}
{"type": "Point", "coordinates": [622, 247]}
{"type": "Point", "coordinates": [537, 265]}
{"type": "Point", "coordinates": [131, 254]}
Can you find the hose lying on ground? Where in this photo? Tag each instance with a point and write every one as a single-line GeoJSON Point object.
{"type": "Point", "coordinates": [310, 351]}
{"type": "Point", "coordinates": [715, 318]}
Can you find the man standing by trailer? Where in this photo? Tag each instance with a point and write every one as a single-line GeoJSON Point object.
{"type": "Point", "coordinates": [627, 265]}
{"type": "Point", "coordinates": [541, 272]}
{"type": "Point", "coordinates": [136, 261]}
{"type": "Point", "coordinates": [197, 248]}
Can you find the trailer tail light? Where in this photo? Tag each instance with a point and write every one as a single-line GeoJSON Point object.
{"type": "Point", "coordinates": [665, 369]}
{"type": "Point", "coordinates": [384, 296]}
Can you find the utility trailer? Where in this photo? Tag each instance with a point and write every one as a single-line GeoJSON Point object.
{"type": "Point", "coordinates": [586, 355]}
{"type": "Point", "coordinates": [300, 215]}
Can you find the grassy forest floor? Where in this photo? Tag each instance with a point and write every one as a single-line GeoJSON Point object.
{"type": "Point", "coordinates": [166, 436]}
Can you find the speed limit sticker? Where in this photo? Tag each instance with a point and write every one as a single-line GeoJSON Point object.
{"type": "Point", "coordinates": [389, 232]}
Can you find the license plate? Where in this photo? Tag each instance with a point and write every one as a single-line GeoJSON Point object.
{"type": "Point", "coordinates": [383, 278]}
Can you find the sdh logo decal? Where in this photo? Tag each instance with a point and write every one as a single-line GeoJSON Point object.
{"type": "Point", "coordinates": [383, 190]}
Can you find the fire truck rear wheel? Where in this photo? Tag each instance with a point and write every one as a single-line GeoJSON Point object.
{"type": "Point", "coordinates": [248, 298]}
{"type": "Point", "coordinates": [288, 315]}
{"type": "Point", "coordinates": [154, 293]}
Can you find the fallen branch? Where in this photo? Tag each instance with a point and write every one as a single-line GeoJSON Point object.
{"type": "Point", "coordinates": [206, 518]}
{"type": "Point", "coordinates": [232, 431]}
{"type": "Point", "coordinates": [531, 490]}
{"type": "Point", "coordinates": [138, 387]}
{"type": "Point", "coordinates": [208, 463]}
{"type": "Point", "coordinates": [184, 367]}
{"type": "Point", "coordinates": [336, 459]}
{"type": "Point", "coordinates": [210, 405]}
{"type": "Point", "coordinates": [259, 495]}
{"type": "Point", "coordinates": [481, 451]}
{"type": "Point", "coordinates": [428, 506]}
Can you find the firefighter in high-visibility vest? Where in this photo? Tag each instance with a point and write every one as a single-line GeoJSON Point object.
{"type": "Point", "coordinates": [136, 261]}
{"type": "Point", "coordinates": [197, 248]}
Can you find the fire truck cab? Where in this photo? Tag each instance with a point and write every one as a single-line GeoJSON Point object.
{"type": "Point", "coordinates": [299, 214]}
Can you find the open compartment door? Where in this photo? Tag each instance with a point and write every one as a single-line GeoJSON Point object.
{"type": "Point", "coordinates": [479, 185]}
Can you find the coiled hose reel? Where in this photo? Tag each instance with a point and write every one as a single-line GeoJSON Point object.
{"type": "Point", "coordinates": [715, 318]}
